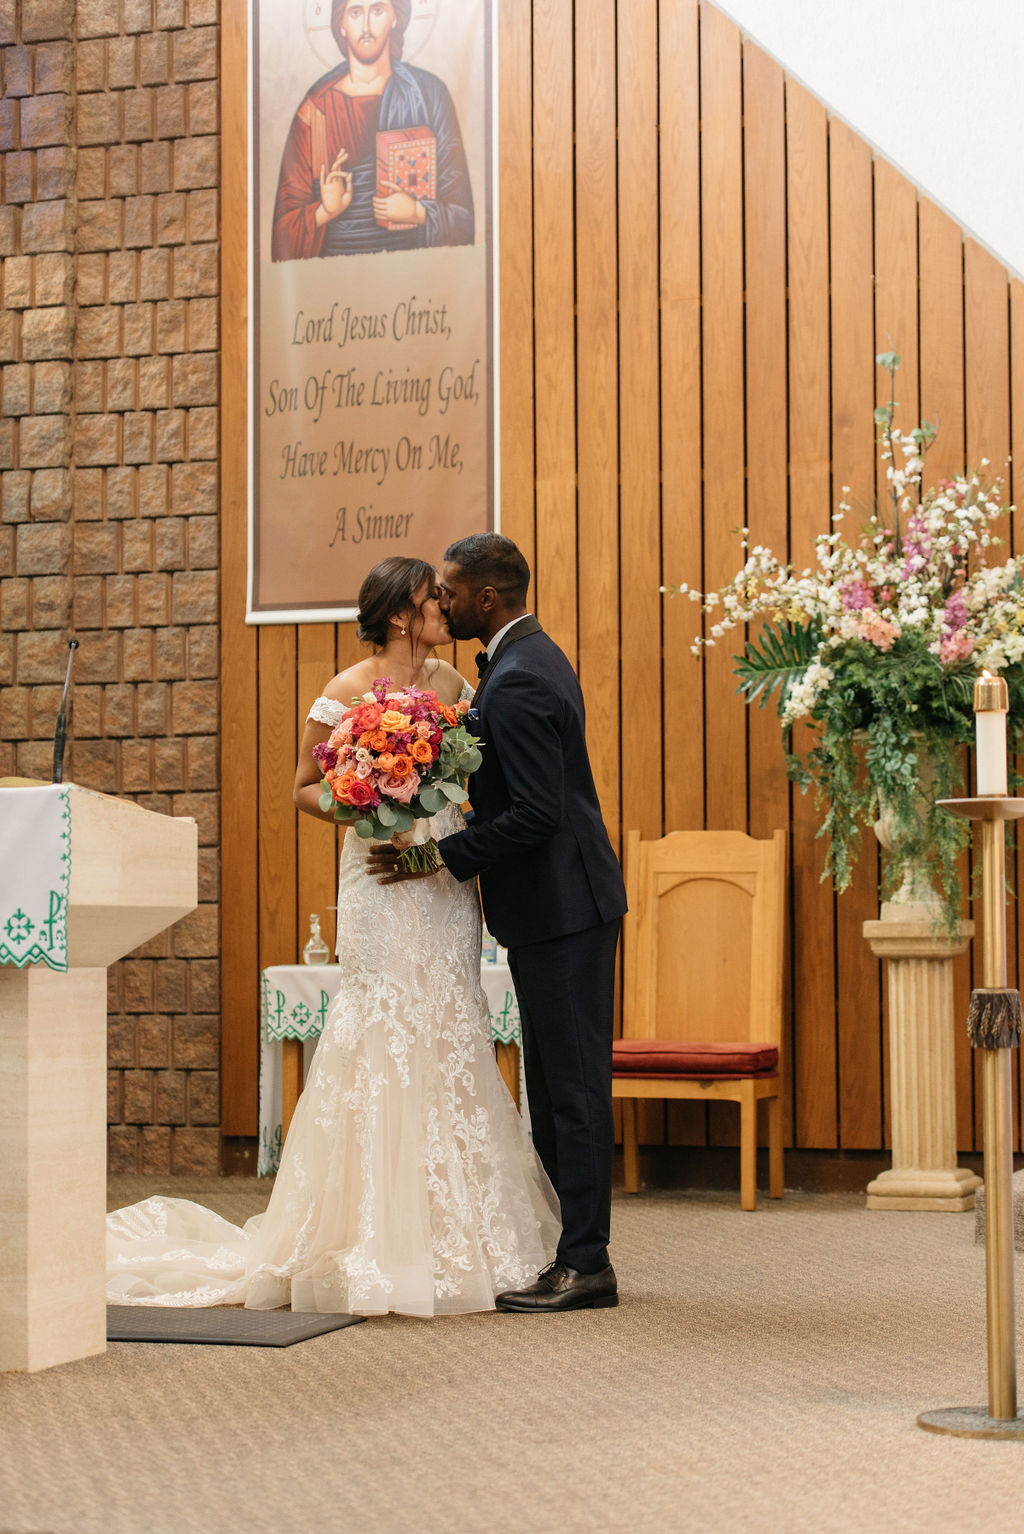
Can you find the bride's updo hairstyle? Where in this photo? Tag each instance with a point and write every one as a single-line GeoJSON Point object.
{"type": "Point", "coordinates": [388, 591]}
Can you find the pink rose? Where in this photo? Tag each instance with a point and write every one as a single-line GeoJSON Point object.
{"type": "Point", "coordinates": [402, 790]}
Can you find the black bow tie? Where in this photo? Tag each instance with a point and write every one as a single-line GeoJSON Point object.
{"type": "Point", "coordinates": [482, 662]}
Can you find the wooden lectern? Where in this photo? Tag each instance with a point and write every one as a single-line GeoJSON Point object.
{"type": "Point", "coordinates": [133, 873]}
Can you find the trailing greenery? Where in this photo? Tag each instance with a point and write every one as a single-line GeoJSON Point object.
{"type": "Point", "coordinates": [891, 738]}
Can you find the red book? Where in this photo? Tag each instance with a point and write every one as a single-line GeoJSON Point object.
{"type": "Point", "coordinates": [408, 158]}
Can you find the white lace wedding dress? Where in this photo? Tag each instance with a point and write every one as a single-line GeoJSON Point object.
{"type": "Point", "coordinates": [408, 1182]}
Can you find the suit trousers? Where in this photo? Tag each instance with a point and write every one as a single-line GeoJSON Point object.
{"type": "Point", "coordinates": [565, 988]}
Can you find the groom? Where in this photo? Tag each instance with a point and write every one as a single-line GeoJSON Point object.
{"type": "Point", "coordinates": [552, 895]}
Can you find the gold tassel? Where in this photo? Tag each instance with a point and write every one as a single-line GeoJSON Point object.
{"type": "Point", "coordinates": [994, 1019]}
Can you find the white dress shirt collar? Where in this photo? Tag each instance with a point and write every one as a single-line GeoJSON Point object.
{"type": "Point", "coordinates": [499, 636]}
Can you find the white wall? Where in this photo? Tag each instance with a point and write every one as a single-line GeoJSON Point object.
{"type": "Point", "coordinates": [936, 85]}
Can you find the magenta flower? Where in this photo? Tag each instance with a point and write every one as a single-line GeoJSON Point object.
{"type": "Point", "coordinates": [857, 595]}
{"type": "Point", "coordinates": [955, 615]}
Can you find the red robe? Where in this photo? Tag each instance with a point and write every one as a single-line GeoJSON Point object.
{"type": "Point", "coordinates": [326, 122]}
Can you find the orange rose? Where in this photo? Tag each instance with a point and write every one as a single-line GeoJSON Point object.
{"type": "Point", "coordinates": [341, 786]}
{"type": "Point", "coordinates": [386, 761]}
{"type": "Point", "coordinates": [401, 767]}
{"type": "Point", "coordinates": [392, 720]}
{"type": "Point", "coordinates": [365, 738]}
{"type": "Point", "coordinates": [449, 715]}
{"type": "Point", "coordinates": [421, 751]}
{"type": "Point", "coordinates": [377, 740]}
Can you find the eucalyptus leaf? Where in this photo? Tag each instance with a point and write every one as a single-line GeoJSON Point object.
{"type": "Point", "coordinates": [385, 814]}
{"type": "Point", "coordinates": [364, 828]}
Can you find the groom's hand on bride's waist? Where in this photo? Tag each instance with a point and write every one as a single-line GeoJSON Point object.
{"type": "Point", "coordinates": [382, 864]}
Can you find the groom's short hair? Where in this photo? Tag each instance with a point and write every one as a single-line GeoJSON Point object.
{"type": "Point", "coordinates": [490, 559]}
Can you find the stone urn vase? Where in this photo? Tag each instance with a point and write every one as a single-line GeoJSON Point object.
{"type": "Point", "coordinates": [916, 898]}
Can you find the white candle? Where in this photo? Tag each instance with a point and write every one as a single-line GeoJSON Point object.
{"type": "Point", "coordinates": [991, 702]}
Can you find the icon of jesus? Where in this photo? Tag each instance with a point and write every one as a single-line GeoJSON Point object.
{"type": "Point", "coordinates": [374, 158]}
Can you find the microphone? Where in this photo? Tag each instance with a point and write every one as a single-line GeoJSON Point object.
{"type": "Point", "coordinates": [60, 738]}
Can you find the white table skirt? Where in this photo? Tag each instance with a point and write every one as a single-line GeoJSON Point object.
{"type": "Point", "coordinates": [294, 1002]}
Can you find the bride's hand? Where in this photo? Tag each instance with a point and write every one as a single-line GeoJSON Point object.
{"type": "Point", "coordinates": [382, 864]}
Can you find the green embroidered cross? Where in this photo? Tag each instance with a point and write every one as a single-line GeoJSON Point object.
{"type": "Point", "coordinates": [18, 926]}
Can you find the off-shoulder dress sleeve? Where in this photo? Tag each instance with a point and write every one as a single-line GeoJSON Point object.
{"type": "Point", "coordinates": [326, 711]}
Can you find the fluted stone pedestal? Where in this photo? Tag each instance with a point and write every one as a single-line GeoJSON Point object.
{"type": "Point", "coordinates": [924, 1173]}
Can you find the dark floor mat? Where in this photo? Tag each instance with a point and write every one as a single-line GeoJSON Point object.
{"type": "Point", "coordinates": [234, 1327]}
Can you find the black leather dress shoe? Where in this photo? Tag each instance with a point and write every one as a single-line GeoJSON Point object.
{"type": "Point", "coordinates": [560, 1287]}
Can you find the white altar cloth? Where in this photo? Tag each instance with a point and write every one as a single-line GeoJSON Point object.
{"type": "Point", "coordinates": [35, 867]}
{"type": "Point", "coordinates": [294, 1001]}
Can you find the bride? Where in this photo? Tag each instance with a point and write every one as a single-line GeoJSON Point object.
{"type": "Point", "coordinates": [408, 1182]}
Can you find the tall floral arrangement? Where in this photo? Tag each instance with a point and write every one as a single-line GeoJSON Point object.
{"type": "Point", "coordinates": [877, 646]}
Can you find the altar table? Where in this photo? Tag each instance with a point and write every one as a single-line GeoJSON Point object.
{"type": "Point", "coordinates": [294, 1002]}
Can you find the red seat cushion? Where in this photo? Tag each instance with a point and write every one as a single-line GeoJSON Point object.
{"type": "Point", "coordinates": [680, 1057]}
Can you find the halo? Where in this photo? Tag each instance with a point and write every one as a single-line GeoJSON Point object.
{"type": "Point", "coordinates": [316, 21]}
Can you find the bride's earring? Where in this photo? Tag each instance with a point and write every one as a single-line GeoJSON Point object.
{"type": "Point", "coordinates": [403, 631]}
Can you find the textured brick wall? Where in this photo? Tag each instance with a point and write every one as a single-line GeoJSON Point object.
{"type": "Point", "coordinates": [108, 437]}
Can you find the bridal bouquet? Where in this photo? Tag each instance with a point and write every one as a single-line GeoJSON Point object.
{"type": "Point", "coordinates": [397, 756]}
{"type": "Point", "coordinates": [877, 649]}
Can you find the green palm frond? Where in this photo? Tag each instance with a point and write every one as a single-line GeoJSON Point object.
{"type": "Point", "coordinates": [775, 660]}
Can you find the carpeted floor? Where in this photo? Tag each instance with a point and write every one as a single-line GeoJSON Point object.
{"type": "Point", "coordinates": [763, 1373]}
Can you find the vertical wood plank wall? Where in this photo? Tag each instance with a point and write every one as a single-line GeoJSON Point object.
{"type": "Point", "coordinates": [697, 266]}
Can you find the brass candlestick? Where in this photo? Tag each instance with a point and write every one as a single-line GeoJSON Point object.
{"type": "Point", "coordinates": [994, 1027]}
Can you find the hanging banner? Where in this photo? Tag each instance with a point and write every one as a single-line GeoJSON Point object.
{"type": "Point", "coordinates": [372, 393]}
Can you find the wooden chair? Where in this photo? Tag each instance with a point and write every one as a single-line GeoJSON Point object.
{"type": "Point", "coordinates": [702, 1015]}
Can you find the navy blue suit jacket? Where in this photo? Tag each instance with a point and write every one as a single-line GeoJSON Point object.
{"type": "Point", "coordinates": [536, 840]}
